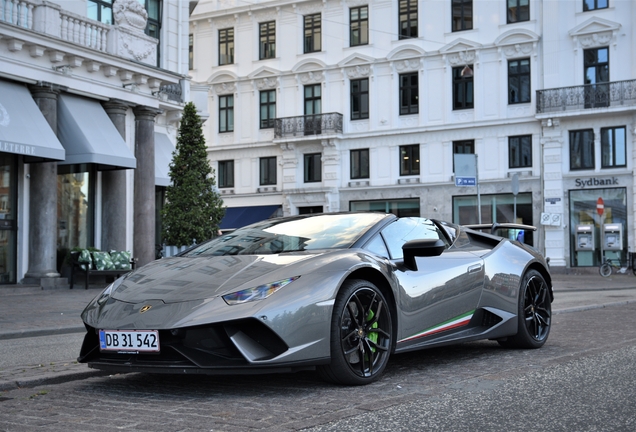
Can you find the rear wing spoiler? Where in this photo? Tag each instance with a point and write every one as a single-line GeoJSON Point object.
{"type": "Point", "coordinates": [494, 227]}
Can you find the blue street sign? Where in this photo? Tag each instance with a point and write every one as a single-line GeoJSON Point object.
{"type": "Point", "coordinates": [465, 181]}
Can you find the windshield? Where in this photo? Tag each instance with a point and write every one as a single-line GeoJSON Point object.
{"type": "Point", "coordinates": [274, 236]}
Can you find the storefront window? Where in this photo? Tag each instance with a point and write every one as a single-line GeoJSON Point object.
{"type": "Point", "coordinates": [584, 211]}
{"type": "Point", "coordinates": [497, 209]}
{"type": "Point", "coordinates": [8, 218]}
{"type": "Point", "coordinates": [400, 208]}
{"type": "Point", "coordinates": [75, 210]}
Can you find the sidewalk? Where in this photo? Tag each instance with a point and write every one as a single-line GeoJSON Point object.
{"type": "Point", "coordinates": [28, 311]}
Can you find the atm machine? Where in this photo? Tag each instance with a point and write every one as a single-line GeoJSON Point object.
{"type": "Point", "coordinates": [585, 245]}
{"type": "Point", "coordinates": [612, 241]}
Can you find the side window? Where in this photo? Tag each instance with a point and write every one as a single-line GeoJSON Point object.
{"type": "Point", "coordinates": [377, 246]}
{"type": "Point", "coordinates": [405, 229]}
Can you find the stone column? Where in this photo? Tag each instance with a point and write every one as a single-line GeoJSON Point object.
{"type": "Point", "coordinates": [43, 201]}
{"type": "Point", "coordinates": [114, 188]}
{"type": "Point", "coordinates": [144, 202]}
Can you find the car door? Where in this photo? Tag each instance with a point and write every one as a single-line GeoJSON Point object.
{"type": "Point", "coordinates": [440, 296]}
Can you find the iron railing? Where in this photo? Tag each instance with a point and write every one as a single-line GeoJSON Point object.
{"type": "Point", "coordinates": [600, 95]}
{"type": "Point", "coordinates": [316, 124]}
{"type": "Point", "coordinates": [172, 91]}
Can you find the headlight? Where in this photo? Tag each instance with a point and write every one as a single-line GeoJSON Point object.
{"type": "Point", "coordinates": [257, 293]}
{"type": "Point", "coordinates": [110, 289]}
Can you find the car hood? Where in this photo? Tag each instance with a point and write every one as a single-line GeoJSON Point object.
{"type": "Point", "coordinates": [181, 279]}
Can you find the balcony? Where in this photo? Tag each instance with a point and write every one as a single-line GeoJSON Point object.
{"type": "Point", "coordinates": [309, 125]}
{"type": "Point", "coordinates": [602, 95]}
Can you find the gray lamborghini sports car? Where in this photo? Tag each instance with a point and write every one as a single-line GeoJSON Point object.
{"type": "Point", "coordinates": [336, 292]}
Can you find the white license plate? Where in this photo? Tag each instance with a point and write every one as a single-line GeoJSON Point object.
{"type": "Point", "coordinates": [129, 341]}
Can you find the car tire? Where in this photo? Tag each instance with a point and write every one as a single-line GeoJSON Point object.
{"type": "Point", "coordinates": [361, 335]}
{"type": "Point", "coordinates": [534, 313]}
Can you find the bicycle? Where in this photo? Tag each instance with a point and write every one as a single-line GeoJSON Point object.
{"type": "Point", "coordinates": [609, 264]}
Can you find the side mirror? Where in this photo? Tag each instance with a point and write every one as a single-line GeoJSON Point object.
{"type": "Point", "coordinates": [421, 248]}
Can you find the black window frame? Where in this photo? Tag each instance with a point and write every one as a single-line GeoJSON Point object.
{"type": "Point", "coordinates": [101, 6]}
{"type": "Point", "coordinates": [359, 89]}
{"type": "Point", "coordinates": [267, 40]}
{"type": "Point", "coordinates": [461, 15]}
{"type": "Point", "coordinates": [611, 143]}
{"type": "Point", "coordinates": [228, 108]}
{"type": "Point", "coordinates": [226, 46]}
{"type": "Point", "coordinates": [407, 25]}
{"type": "Point", "coordinates": [358, 26]}
{"type": "Point", "coordinates": [519, 147]}
{"type": "Point", "coordinates": [312, 33]}
{"type": "Point", "coordinates": [153, 23]}
{"type": "Point", "coordinates": [594, 5]}
{"type": "Point", "coordinates": [463, 145]}
{"type": "Point", "coordinates": [312, 167]}
{"type": "Point", "coordinates": [585, 147]}
{"type": "Point", "coordinates": [267, 171]}
{"type": "Point", "coordinates": [359, 164]}
{"type": "Point", "coordinates": [409, 93]}
{"type": "Point", "coordinates": [409, 160]}
{"type": "Point", "coordinates": [517, 12]}
{"type": "Point", "coordinates": [226, 173]}
{"type": "Point", "coordinates": [267, 117]}
{"type": "Point", "coordinates": [519, 80]}
{"type": "Point", "coordinates": [190, 51]}
{"type": "Point", "coordinates": [462, 87]}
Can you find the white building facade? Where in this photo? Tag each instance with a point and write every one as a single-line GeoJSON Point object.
{"type": "Point", "coordinates": [352, 105]}
{"type": "Point", "coordinates": [91, 92]}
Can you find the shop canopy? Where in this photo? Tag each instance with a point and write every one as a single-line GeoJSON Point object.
{"type": "Point", "coordinates": [89, 135]}
{"type": "Point", "coordinates": [23, 128]}
{"type": "Point", "coordinates": [237, 217]}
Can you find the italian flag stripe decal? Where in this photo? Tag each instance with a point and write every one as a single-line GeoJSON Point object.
{"type": "Point", "coordinates": [459, 321]}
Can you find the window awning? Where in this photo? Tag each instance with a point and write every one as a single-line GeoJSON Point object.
{"type": "Point", "coordinates": [89, 135]}
{"type": "Point", "coordinates": [23, 128]}
{"type": "Point", "coordinates": [237, 217]}
{"type": "Point", "coordinates": [163, 157]}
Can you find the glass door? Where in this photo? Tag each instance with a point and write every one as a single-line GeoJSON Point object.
{"type": "Point", "coordinates": [8, 217]}
{"type": "Point", "coordinates": [313, 109]}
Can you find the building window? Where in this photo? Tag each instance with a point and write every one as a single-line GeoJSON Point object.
{"type": "Point", "coordinates": [313, 167]}
{"type": "Point", "coordinates": [226, 113]}
{"type": "Point", "coordinates": [267, 40]}
{"type": "Point", "coordinates": [613, 147]}
{"type": "Point", "coordinates": [399, 207]}
{"type": "Point", "coordinates": [359, 25]}
{"type": "Point", "coordinates": [313, 107]}
{"type": "Point", "coordinates": [226, 174]}
{"type": "Point", "coordinates": [462, 11]}
{"type": "Point", "coordinates": [360, 164]}
{"type": "Point", "coordinates": [360, 99]}
{"type": "Point", "coordinates": [462, 89]}
{"type": "Point", "coordinates": [520, 151]}
{"type": "Point", "coordinates": [518, 10]}
{"type": "Point", "coordinates": [76, 186]}
{"type": "Point", "coordinates": [268, 108]}
{"type": "Point", "coordinates": [226, 46]}
{"type": "Point", "coordinates": [100, 10]}
{"type": "Point", "coordinates": [589, 5]}
{"type": "Point", "coordinates": [410, 160]}
{"type": "Point", "coordinates": [268, 171]}
{"type": "Point", "coordinates": [519, 81]}
{"type": "Point", "coordinates": [409, 90]}
{"type": "Point", "coordinates": [313, 31]}
{"type": "Point", "coordinates": [581, 149]}
{"type": "Point", "coordinates": [597, 76]}
{"type": "Point", "coordinates": [190, 52]}
{"type": "Point", "coordinates": [153, 24]}
{"type": "Point", "coordinates": [408, 19]}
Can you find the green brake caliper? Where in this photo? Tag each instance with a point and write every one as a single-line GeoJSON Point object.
{"type": "Point", "coordinates": [373, 336]}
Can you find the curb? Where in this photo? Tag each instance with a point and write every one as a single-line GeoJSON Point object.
{"type": "Point", "coordinates": [50, 378]}
{"type": "Point", "coordinates": [17, 334]}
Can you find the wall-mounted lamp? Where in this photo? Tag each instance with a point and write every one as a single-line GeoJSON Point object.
{"type": "Point", "coordinates": [467, 72]}
{"type": "Point", "coordinates": [64, 69]}
{"type": "Point", "coordinates": [132, 85]}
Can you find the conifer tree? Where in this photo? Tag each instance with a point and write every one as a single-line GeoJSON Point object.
{"type": "Point", "coordinates": [193, 208]}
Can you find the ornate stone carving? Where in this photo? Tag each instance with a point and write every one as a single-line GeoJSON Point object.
{"type": "Point", "coordinates": [266, 83]}
{"type": "Point", "coordinates": [130, 14]}
{"type": "Point", "coordinates": [461, 58]}
{"type": "Point", "coordinates": [595, 39]}
{"type": "Point", "coordinates": [225, 88]}
{"type": "Point", "coordinates": [517, 50]}
{"type": "Point", "coordinates": [358, 71]}
{"type": "Point", "coordinates": [311, 77]}
{"type": "Point", "coordinates": [407, 65]}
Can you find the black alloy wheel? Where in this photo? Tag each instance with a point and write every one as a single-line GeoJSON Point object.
{"type": "Point", "coordinates": [361, 335]}
{"type": "Point", "coordinates": [534, 313]}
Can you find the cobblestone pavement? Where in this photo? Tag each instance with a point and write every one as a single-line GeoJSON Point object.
{"type": "Point", "coordinates": [29, 311]}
